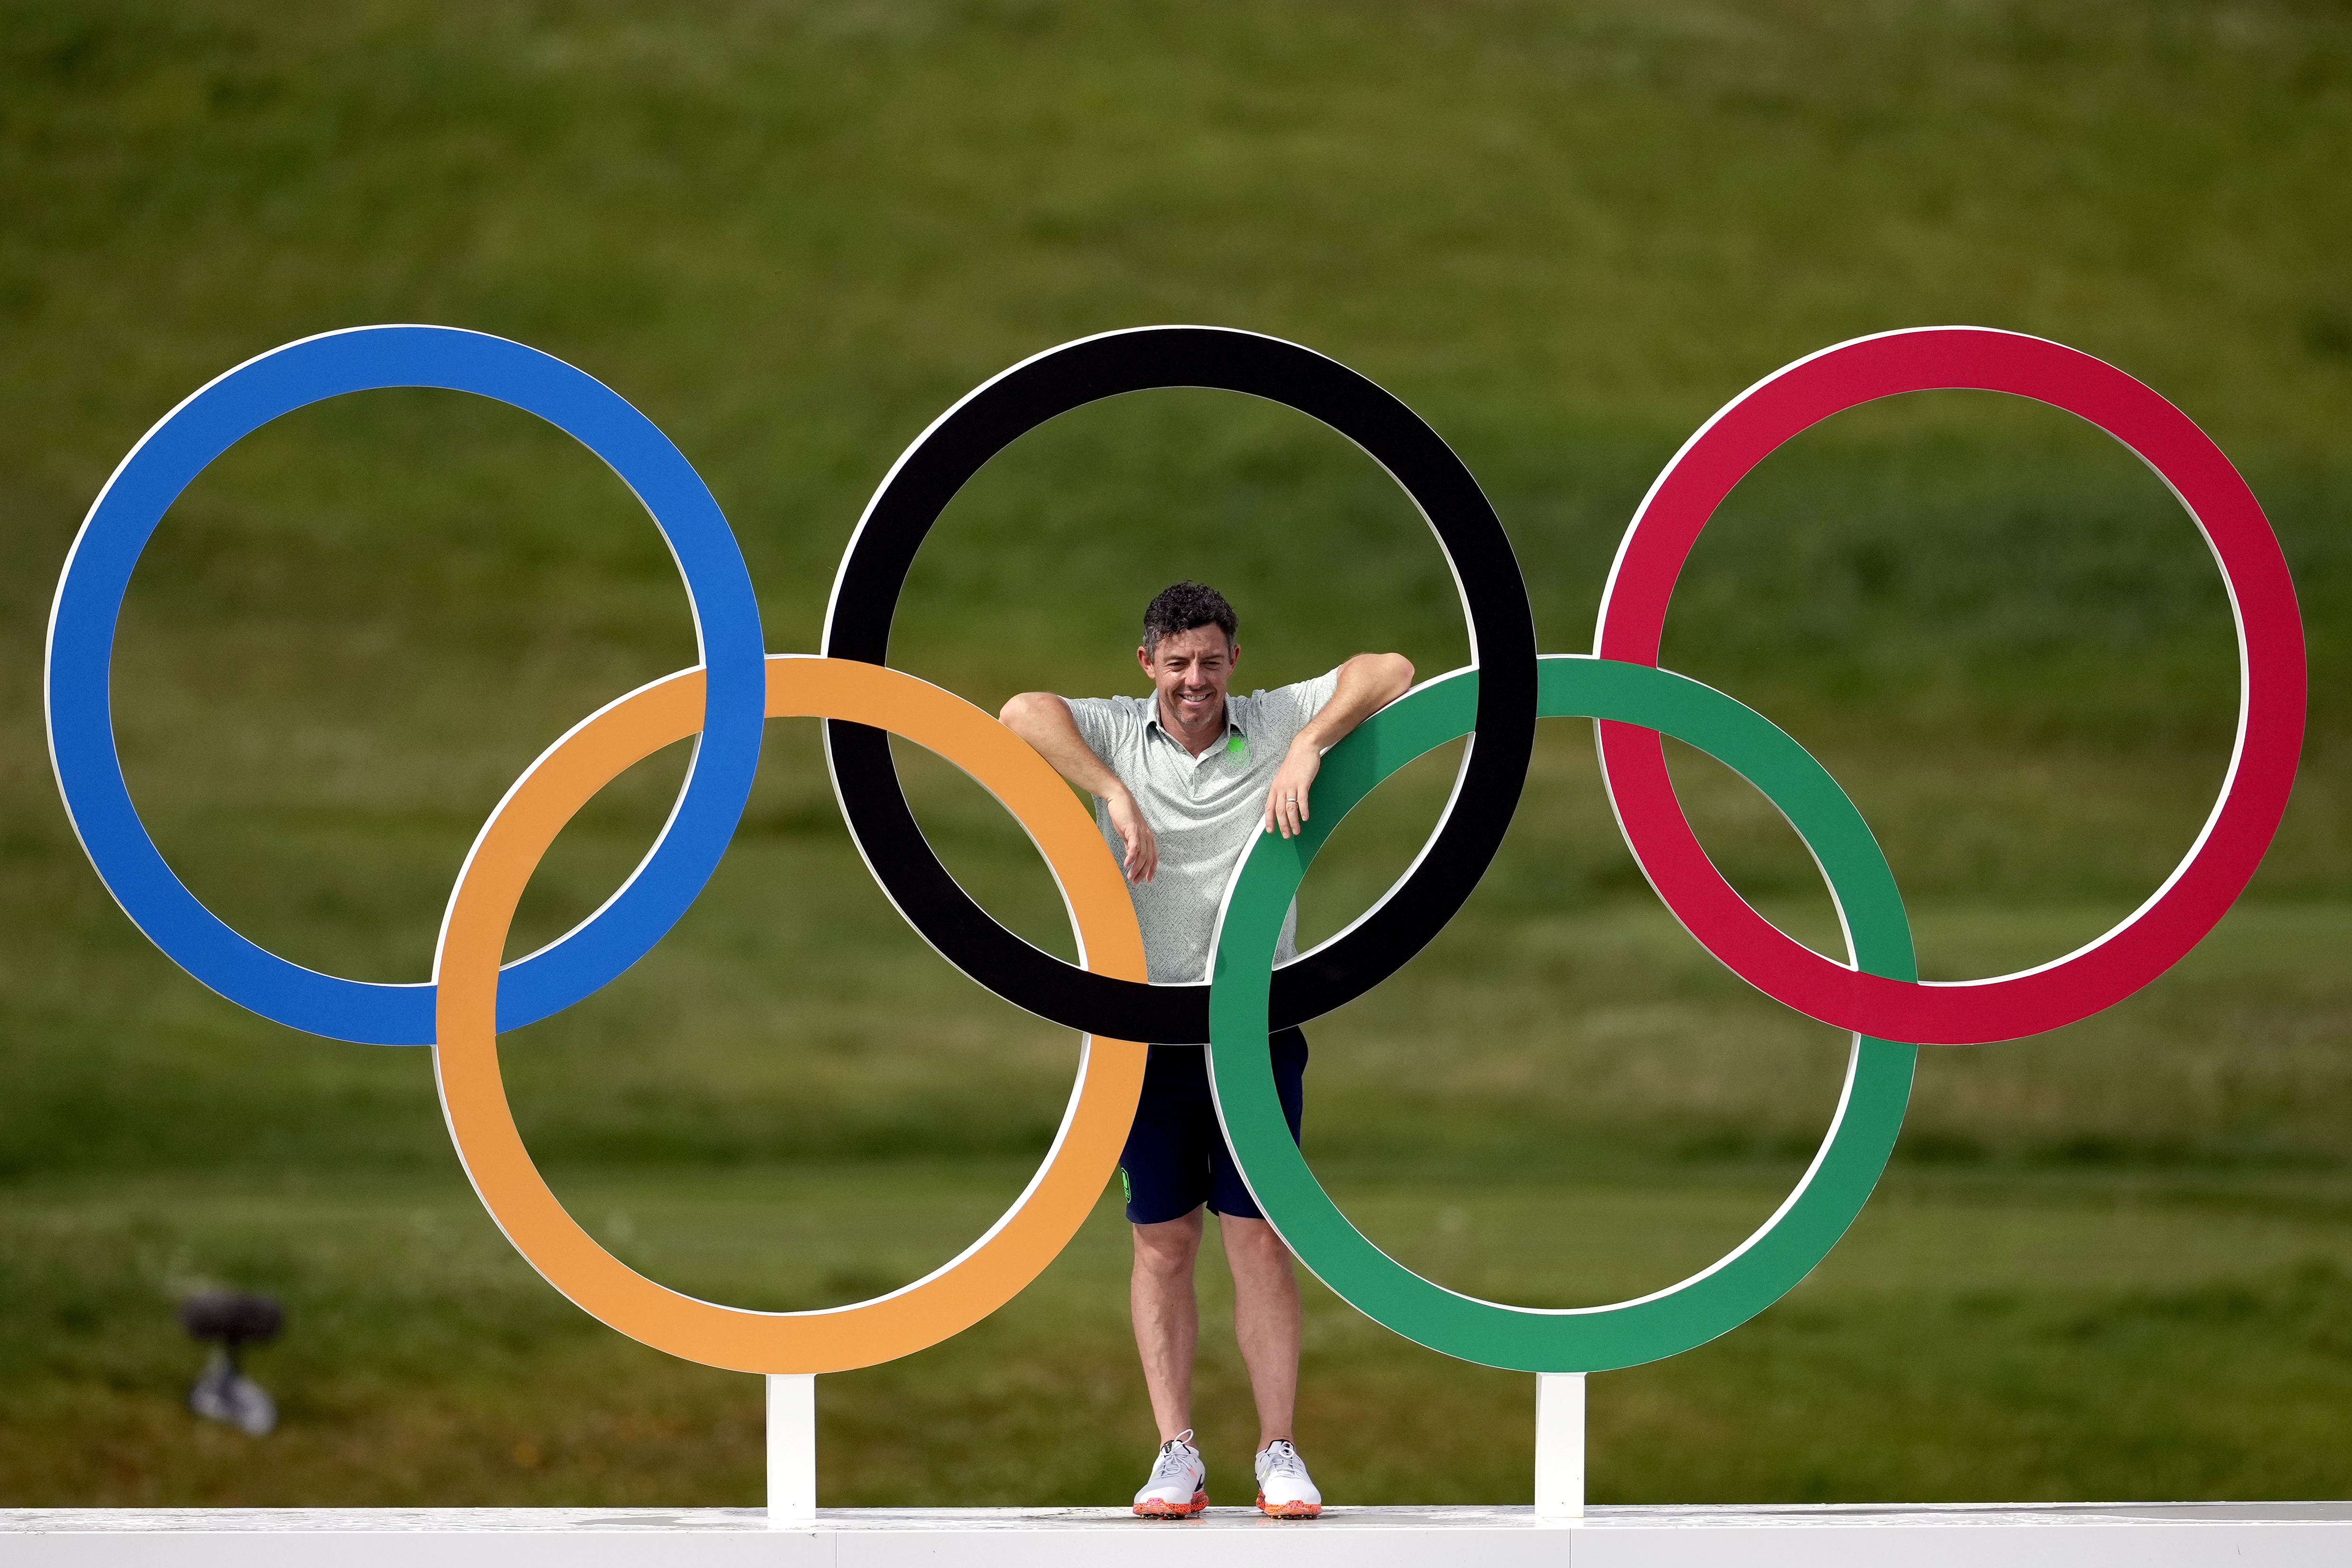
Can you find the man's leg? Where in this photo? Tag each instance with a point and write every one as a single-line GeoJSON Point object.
{"type": "Point", "coordinates": [1265, 1284]}
{"type": "Point", "coordinates": [1265, 1320]}
{"type": "Point", "coordinates": [1167, 1316]}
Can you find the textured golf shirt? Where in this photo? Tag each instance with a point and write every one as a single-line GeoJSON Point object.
{"type": "Point", "coordinates": [1204, 810]}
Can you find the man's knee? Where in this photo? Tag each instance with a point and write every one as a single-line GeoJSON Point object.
{"type": "Point", "coordinates": [1169, 1247]}
{"type": "Point", "coordinates": [1252, 1242]}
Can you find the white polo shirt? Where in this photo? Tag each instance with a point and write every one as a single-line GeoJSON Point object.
{"type": "Point", "coordinates": [1205, 811]}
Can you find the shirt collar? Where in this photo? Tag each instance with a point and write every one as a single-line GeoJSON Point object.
{"type": "Point", "coordinates": [1233, 724]}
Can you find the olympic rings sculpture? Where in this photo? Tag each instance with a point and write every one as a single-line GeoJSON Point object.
{"type": "Point", "coordinates": [725, 701]}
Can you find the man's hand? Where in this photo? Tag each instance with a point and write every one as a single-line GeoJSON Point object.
{"type": "Point", "coordinates": [1286, 804]}
{"type": "Point", "coordinates": [1143, 862]}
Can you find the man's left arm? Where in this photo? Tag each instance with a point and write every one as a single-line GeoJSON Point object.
{"type": "Point", "coordinates": [1367, 682]}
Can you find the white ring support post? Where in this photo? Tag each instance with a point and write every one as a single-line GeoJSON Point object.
{"type": "Point", "coordinates": [1559, 1446]}
{"type": "Point", "coordinates": [791, 1450]}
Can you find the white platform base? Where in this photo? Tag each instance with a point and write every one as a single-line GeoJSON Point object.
{"type": "Point", "coordinates": [2126, 1535]}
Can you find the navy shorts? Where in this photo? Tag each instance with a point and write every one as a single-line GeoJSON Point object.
{"type": "Point", "coordinates": [1176, 1159]}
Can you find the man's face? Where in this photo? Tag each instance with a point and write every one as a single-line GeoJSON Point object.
{"type": "Point", "coordinates": [1190, 669]}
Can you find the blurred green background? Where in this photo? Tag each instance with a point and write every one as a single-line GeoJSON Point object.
{"type": "Point", "coordinates": [2115, 1261]}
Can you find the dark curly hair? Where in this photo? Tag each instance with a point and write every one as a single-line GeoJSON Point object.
{"type": "Point", "coordinates": [1184, 607]}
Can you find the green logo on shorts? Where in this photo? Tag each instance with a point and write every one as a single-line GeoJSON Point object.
{"type": "Point", "coordinates": [1126, 1187]}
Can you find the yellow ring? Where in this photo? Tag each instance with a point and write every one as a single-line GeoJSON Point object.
{"type": "Point", "coordinates": [481, 1124]}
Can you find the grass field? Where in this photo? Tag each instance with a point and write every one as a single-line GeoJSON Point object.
{"type": "Point", "coordinates": [2112, 1262]}
{"type": "Point", "coordinates": [2173, 1338]}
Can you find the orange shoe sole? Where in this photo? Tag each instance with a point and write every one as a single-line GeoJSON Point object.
{"type": "Point", "coordinates": [1155, 1509]}
{"type": "Point", "coordinates": [1289, 1510]}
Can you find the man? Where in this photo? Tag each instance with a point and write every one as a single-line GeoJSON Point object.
{"type": "Point", "coordinates": [1185, 780]}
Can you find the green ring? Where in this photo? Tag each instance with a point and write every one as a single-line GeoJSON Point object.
{"type": "Point", "coordinates": [1576, 1339]}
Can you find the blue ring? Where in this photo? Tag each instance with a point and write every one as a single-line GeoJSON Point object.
{"type": "Point", "coordinates": [90, 604]}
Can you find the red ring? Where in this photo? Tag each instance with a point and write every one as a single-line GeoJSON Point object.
{"type": "Point", "coordinates": [2272, 684]}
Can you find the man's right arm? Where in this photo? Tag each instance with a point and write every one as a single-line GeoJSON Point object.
{"type": "Point", "coordinates": [1044, 720]}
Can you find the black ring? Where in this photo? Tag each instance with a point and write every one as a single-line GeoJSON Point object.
{"type": "Point", "coordinates": [1494, 597]}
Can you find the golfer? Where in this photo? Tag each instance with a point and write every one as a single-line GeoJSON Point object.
{"type": "Point", "coordinates": [1184, 780]}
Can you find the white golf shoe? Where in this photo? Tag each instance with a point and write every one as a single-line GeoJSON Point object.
{"type": "Point", "coordinates": [1179, 1486]}
{"type": "Point", "coordinates": [1285, 1490]}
